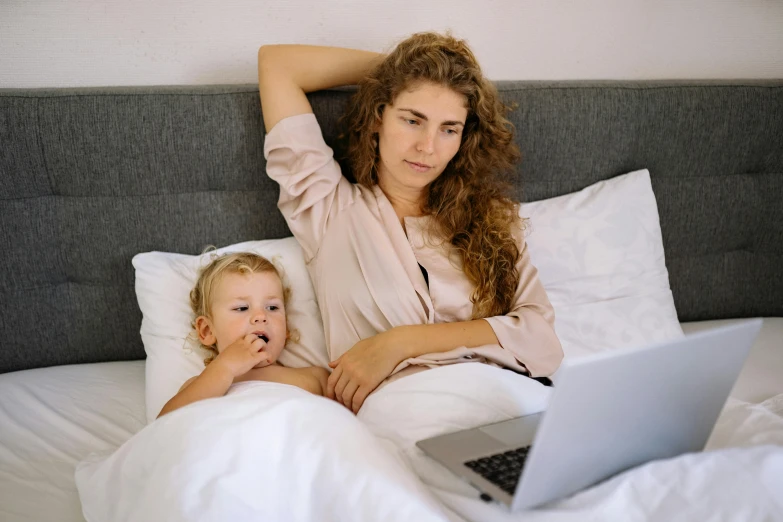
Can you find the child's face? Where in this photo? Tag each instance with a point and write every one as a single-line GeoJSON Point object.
{"type": "Point", "coordinates": [246, 304]}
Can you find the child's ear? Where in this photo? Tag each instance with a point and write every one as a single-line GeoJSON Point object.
{"type": "Point", "coordinates": [204, 331]}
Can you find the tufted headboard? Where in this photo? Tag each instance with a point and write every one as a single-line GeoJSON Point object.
{"type": "Point", "coordinates": [92, 176]}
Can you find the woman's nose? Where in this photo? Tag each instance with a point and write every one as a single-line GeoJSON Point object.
{"type": "Point", "coordinates": [426, 144]}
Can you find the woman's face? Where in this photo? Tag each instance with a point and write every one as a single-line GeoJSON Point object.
{"type": "Point", "coordinates": [419, 134]}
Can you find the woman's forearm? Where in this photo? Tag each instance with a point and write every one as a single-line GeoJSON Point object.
{"type": "Point", "coordinates": [314, 68]}
{"type": "Point", "coordinates": [287, 72]}
{"type": "Point", "coordinates": [442, 337]}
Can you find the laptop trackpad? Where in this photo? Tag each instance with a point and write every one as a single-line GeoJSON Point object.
{"type": "Point", "coordinates": [515, 432]}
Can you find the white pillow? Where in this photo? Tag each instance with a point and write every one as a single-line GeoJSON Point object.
{"type": "Point", "coordinates": [599, 253]}
{"type": "Point", "coordinates": [163, 284]}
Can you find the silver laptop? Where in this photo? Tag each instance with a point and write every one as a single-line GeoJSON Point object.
{"type": "Point", "coordinates": [609, 412]}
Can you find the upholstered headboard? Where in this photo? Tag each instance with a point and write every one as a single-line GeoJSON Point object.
{"type": "Point", "coordinates": [90, 177]}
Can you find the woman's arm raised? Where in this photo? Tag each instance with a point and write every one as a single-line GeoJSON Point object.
{"type": "Point", "coordinates": [287, 72]}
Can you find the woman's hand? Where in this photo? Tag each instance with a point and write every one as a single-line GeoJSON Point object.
{"type": "Point", "coordinates": [362, 368]}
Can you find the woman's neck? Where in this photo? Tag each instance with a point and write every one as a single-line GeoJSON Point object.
{"type": "Point", "coordinates": [406, 203]}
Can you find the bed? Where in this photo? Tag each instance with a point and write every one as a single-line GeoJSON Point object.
{"type": "Point", "coordinates": [94, 176]}
{"type": "Point", "coordinates": [53, 418]}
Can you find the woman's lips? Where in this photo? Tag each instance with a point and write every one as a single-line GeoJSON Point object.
{"type": "Point", "coordinates": [418, 167]}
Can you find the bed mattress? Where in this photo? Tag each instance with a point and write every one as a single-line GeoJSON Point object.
{"type": "Point", "coordinates": [52, 418]}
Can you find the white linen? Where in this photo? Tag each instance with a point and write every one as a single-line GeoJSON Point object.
{"type": "Point", "coordinates": [743, 484]}
{"type": "Point", "coordinates": [266, 452]}
{"type": "Point", "coordinates": [52, 418]}
{"type": "Point", "coordinates": [326, 461]}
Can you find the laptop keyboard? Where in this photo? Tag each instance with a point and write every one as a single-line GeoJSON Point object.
{"type": "Point", "coordinates": [502, 469]}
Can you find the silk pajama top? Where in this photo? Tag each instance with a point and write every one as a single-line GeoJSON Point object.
{"type": "Point", "coordinates": [365, 267]}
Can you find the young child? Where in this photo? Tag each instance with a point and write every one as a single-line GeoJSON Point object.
{"type": "Point", "coordinates": [239, 303]}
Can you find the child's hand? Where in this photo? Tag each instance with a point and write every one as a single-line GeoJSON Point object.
{"type": "Point", "coordinates": [243, 355]}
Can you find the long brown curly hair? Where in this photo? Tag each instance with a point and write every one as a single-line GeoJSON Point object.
{"type": "Point", "coordinates": [471, 204]}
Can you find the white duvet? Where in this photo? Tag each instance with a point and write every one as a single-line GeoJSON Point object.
{"type": "Point", "coordinates": [273, 452]}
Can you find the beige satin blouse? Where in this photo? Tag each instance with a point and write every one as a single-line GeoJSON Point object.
{"type": "Point", "coordinates": [365, 268]}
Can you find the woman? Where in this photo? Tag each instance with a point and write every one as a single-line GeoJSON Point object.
{"type": "Point", "coordinates": [422, 261]}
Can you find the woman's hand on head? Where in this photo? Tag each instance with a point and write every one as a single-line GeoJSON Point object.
{"type": "Point", "coordinates": [362, 368]}
{"type": "Point", "coordinates": [243, 355]}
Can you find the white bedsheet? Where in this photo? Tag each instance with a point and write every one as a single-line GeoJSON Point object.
{"type": "Point", "coordinates": [229, 458]}
{"type": "Point", "coordinates": [51, 418]}
{"type": "Point", "coordinates": [739, 477]}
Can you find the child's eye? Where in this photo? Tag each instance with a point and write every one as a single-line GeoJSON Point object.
{"type": "Point", "coordinates": [273, 308]}
{"type": "Point", "coordinates": [241, 308]}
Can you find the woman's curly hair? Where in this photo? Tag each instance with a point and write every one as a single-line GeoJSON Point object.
{"type": "Point", "coordinates": [471, 205]}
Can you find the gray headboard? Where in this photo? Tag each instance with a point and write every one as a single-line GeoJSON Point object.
{"type": "Point", "coordinates": [91, 177]}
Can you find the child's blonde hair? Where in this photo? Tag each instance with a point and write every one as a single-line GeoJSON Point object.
{"type": "Point", "coordinates": [244, 263]}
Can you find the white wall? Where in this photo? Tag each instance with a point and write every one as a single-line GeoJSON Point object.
{"type": "Point", "coordinates": [58, 43]}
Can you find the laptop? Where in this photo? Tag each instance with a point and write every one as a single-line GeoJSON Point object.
{"type": "Point", "coordinates": [609, 412]}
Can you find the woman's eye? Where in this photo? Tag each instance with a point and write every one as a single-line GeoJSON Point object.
{"type": "Point", "coordinates": [411, 122]}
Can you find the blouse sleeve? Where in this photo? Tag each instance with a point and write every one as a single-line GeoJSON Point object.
{"type": "Point", "coordinates": [527, 331]}
{"type": "Point", "coordinates": [312, 187]}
